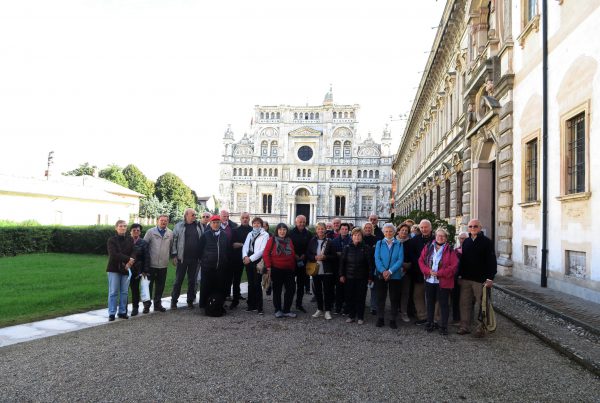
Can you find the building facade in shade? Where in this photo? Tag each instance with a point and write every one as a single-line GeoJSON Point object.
{"type": "Point", "coordinates": [306, 160]}
{"type": "Point", "coordinates": [472, 144]}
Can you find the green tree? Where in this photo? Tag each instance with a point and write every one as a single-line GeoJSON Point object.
{"type": "Point", "coordinates": [171, 188]}
{"type": "Point", "coordinates": [114, 173]}
{"type": "Point", "coordinates": [152, 207]}
{"type": "Point", "coordinates": [137, 181]}
{"type": "Point", "coordinates": [436, 222]}
{"type": "Point", "coordinates": [83, 169]}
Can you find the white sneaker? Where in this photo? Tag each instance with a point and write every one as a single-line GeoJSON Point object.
{"type": "Point", "coordinates": [328, 315]}
{"type": "Point", "coordinates": [317, 314]}
{"type": "Point", "coordinates": [279, 314]}
{"type": "Point", "coordinates": [360, 321]}
{"type": "Point", "coordinates": [290, 315]}
{"type": "Point", "coordinates": [349, 320]}
{"type": "Point", "coordinates": [405, 318]}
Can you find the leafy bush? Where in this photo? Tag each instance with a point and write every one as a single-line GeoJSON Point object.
{"type": "Point", "coordinates": [17, 240]}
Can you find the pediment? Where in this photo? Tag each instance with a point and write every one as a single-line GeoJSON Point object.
{"type": "Point", "coordinates": [241, 150]}
{"type": "Point", "coordinates": [305, 131]}
{"type": "Point", "coordinates": [368, 151]}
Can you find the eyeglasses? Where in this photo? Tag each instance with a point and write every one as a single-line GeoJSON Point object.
{"type": "Point", "coordinates": [205, 216]}
{"type": "Point", "coordinates": [473, 226]}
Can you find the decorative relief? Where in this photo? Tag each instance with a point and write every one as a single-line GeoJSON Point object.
{"type": "Point", "coordinates": [269, 132]}
{"type": "Point", "coordinates": [304, 132]}
{"type": "Point", "coordinates": [342, 132]}
{"type": "Point", "coordinates": [241, 150]}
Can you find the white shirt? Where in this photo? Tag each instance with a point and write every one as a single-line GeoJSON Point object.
{"type": "Point", "coordinates": [259, 245]}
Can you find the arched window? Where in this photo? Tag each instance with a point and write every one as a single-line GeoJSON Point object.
{"type": "Point", "coordinates": [337, 148]}
{"type": "Point", "coordinates": [275, 172]}
{"type": "Point", "coordinates": [234, 171]}
{"type": "Point", "coordinates": [270, 171]}
{"type": "Point", "coordinates": [272, 115]}
{"type": "Point", "coordinates": [312, 116]}
{"type": "Point", "coordinates": [335, 115]}
{"type": "Point", "coordinates": [359, 174]}
{"type": "Point", "coordinates": [317, 115]}
{"type": "Point", "coordinates": [278, 115]}
{"type": "Point", "coordinates": [347, 149]}
{"type": "Point", "coordinates": [344, 173]}
{"type": "Point", "coordinates": [250, 172]}
{"type": "Point", "coordinates": [365, 174]}
{"type": "Point", "coordinates": [332, 173]}
{"type": "Point", "coordinates": [371, 174]}
{"type": "Point", "coordinates": [350, 173]}
{"type": "Point", "coordinates": [264, 148]}
{"type": "Point", "coordinates": [245, 171]}
{"type": "Point", "coordinates": [304, 173]}
{"type": "Point", "coordinates": [309, 173]}
{"type": "Point", "coordinates": [377, 174]}
{"type": "Point", "coordinates": [295, 115]}
{"type": "Point", "coordinates": [259, 171]}
{"type": "Point", "coordinates": [337, 174]}
{"type": "Point", "coordinates": [299, 173]}
{"type": "Point", "coordinates": [345, 115]}
{"type": "Point", "coordinates": [340, 205]}
{"type": "Point", "coordinates": [351, 115]}
{"type": "Point", "coordinates": [306, 116]}
{"type": "Point", "coordinates": [262, 115]}
{"type": "Point", "coordinates": [274, 148]}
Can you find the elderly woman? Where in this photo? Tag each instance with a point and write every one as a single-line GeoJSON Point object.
{"type": "Point", "coordinates": [356, 268]}
{"type": "Point", "coordinates": [403, 236]}
{"type": "Point", "coordinates": [121, 257]}
{"type": "Point", "coordinates": [455, 296]}
{"type": "Point", "coordinates": [252, 253]}
{"type": "Point", "coordinates": [321, 250]}
{"type": "Point", "coordinates": [140, 267]}
{"type": "Point", "coordinates": [389, 258]}
{"type": "Point", "coordinates": [280, 262]}
{"type": "Point", "coordinates": [438, 263]}
{"type": "Point", "coordinates": [370, 239]}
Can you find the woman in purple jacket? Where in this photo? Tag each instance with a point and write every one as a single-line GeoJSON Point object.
{"type": "Point", "coordinates": [438, 263]}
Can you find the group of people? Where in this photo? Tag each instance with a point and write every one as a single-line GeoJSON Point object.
{"type": "Point", "coordinates": [421, 272]}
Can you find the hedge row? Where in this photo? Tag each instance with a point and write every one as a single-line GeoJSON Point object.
{"type": "Point", "coordinates": [41, 239]}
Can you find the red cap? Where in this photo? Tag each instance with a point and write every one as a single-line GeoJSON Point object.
{"type": "Point", "coordinates": [215, 218]}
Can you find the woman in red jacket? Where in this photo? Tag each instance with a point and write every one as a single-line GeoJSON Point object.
{"type": "Point", "coordinates": [438, 263]}
{"type": "Point", "coordinates": [280, 262]}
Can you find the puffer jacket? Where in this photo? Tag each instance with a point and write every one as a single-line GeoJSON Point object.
{"type": "Point", "coordinates": [357, 261]}
{"type": "Point", "coordinates": [447, 267]}
{"type": "Point", "coordinates": [214, 251]}
{"type": "Point", "coordinates": [142, 257]}
{"type": "Point", "coordinates": [389, 258]}
{"type": "Point", "coordinates": [159, 247]}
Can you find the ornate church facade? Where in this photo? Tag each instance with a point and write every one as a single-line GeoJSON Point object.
{"type": "Point", "coordinates": [306, 160]}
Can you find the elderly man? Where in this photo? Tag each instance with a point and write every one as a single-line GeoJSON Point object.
{"type": "Point", "coordinates": [228, 227]}
{"type": "Point", "coordinates": [477, 268]}
{"type": "Point", "coordinates": [160, 242]}
{"type": "Point", "coordinates": [300, 237]}
{"type": "Point", "coordinates": [204, 219]}
{"type": "Point", "coordinates": [239, 237]}
{"type": "Point", "coordinates": [416, 246]}
{"type": "Point", "coordinates": [343, 239]}
{"type": "Point", "coordinates": [186, 256]}
{"type": "Point", "coordinates": [374, 219]}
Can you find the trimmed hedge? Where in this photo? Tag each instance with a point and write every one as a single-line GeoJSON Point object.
{"type": "Point", "coordinates": [42, 239]}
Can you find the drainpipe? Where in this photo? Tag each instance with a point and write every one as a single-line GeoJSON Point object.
{"type": "Point", "coordinates": [544, 268]}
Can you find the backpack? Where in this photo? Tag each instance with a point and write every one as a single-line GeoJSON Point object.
{"type": "Point", "coordinates": [214, 305]}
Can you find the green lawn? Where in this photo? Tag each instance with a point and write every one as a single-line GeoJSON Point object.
{"type": "Point", "coordinates": [40, 286]}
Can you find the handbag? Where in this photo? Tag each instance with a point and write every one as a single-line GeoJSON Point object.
{"type": "Point", "coordinates": [145, 288]}
{"type": "Point", "coordinates": [312, 268]}
{"type": "Point", "coordinates": [260, 267]}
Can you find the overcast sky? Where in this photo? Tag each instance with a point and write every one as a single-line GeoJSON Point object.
{"type": "Point", "coordinates": [156, 82]}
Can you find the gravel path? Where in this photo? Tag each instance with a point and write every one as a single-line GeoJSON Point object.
{"type": "Point", "coordinates": [183, 356]}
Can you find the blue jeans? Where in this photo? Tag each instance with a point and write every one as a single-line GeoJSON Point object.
{"type": "Point", "coordinates": [118, 286]}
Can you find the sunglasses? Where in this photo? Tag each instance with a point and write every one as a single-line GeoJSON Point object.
{"type": "Point", "coordinates": [473, 226]}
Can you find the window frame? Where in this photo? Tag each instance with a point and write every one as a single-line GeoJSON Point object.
{"type": "Point", "coordinates": [525, 141]}
{"type": "Point", "coordinates": [564, 150]}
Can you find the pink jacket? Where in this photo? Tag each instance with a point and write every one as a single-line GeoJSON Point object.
{"type": "Point", "coordinates": [447, 267]}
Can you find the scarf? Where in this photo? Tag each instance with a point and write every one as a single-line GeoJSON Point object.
{"type": "Point", "coordinates": [283, 246]}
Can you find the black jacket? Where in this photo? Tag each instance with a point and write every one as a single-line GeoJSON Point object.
{"type": "Point", "coordinates": [478, 259]}
{"type": "Point", "coordinates": [414, 246]}
{"type": "Point", "coordinates": [142, 257]}
{"type": "Point", "coordinates": [239, 236]}
{"type": "Point", "coordinates": [300, 240]}
{"type": "Point", "coordinates": [330, 262]}
{"type": "Point", "coordinates": [214, 251]}
{"type": "Point", "coordinates": [357, 262]}
{"type": "Point", "coordinates": [120, 249]}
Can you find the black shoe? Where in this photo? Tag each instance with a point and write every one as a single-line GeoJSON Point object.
{"type": "Point", "coordinates": [122, 316]}
{"type": "Point", "coordinates": [233, 304]}
{"type": "Point", "coordinates": [301, 308]}
{"type": "Point", "coordinates": [173, 305]}
{"type": "Point", "coordinates": [269, 290]}
{"type": "Point", "coordinates": [146, 309]}
{"type": "Point", "coordinates": [134, 311]}
{"type": "Point", "coordinates": [190, 305]}
{"type": "Point", "coordinates": [444, 331]}
{"type": "Point", "coordinates": [336, 312]}
{"type": "Point", "coordinates": [228, 298]}
{"type": "Point", "coordinates": [380, 323]}
{"type": "Point", "coordinates": [111, 318]}
{"type": "Point", "coordinates": [250, 309]}
{"type": "Point", "coordinates": [435, 325]}
{"type": "Point", "coordinates": [421, 322]}
{"type": "Point", "coordinates": [393, 324]}
{"type": "Point", "coordinates": [429, 327]}
{"type": "Point", "coordinates": [373, 312]}
{"type": "Point", "coordinates": [241, 298]}
{"type": "Point", "coordinates": [260, 312]}
{"type": "Point", "coordinates": [159, 308]}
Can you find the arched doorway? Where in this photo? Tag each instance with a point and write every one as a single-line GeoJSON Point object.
{"type": "Point", "coordinates": [484, 187]}
{"type": "Point", "coordinates": [302, 202]}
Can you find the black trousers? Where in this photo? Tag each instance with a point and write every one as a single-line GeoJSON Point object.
{"type": "Point", "coordinates": [238, 269]}
{"type": "Point", "coordinates": [433, 294]}
{"type": "Point", "coordinates": [455, 301]}
{"type": "Point", "coordinates": [189, 268]}
{"type": "Point", "coordinates": [255, 297]}
{"type": "Point", "coordinates": [134, 285]}
{"type": "Point", "coordinates": [301, 278]}
{"type": "Point", "coordinates": [340, 297]}
{"type": "Point", "coordinates": [158, 277]}
{"type": "Point", "coordinates": [283, 278]}
{"type": "Point", "coordinates": [356, 293]}
{"type": "Point", "coordinates": [395, 289]}
{"type": "Point", "coordinates": [211, 281]}
{"type": "Point", "coordinates": [324, 291]}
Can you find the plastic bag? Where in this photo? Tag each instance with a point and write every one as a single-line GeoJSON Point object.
{"type": "Point", "coordinates": [145, 288]}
